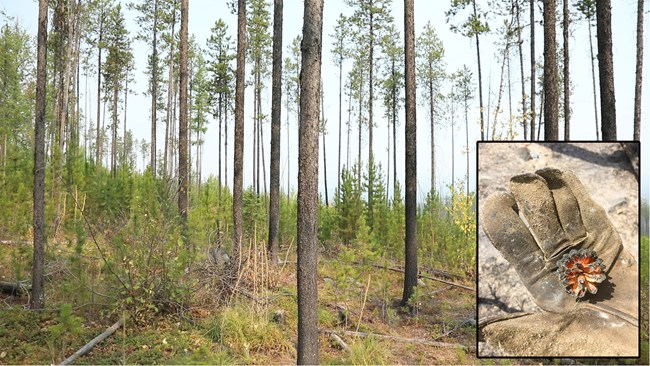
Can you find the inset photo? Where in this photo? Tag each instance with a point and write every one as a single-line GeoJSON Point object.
{"type": "Point", "coordinates": [558, 251]}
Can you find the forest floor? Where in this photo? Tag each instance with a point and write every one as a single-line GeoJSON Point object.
{"type": "Point", "coordinates": [257, 326]}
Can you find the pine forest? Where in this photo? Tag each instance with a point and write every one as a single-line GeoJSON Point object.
{"type": "Point", "coordinates": [281, 182]}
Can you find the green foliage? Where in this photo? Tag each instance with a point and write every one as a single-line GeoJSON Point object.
{"type": "Point", "coordinates": [64, 333]}
{"type": "Point", "coordinates": [474, 24]}
{"type": "Point", "coordinates": [349, 206]}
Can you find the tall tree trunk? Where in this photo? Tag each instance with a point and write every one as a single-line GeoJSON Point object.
{"type": "Point", "coordinates": [467, 145]}
{"type": "Point", "coordinates": [567, 87]}
{"type": "Point", "coordinates": [170, 96]}
{"type": "Point", "coordinates": [338, 170]}
{"type": "Point", "coordinates": [394, 119]}
{"type": "Point", "coordinates": [433, 136]}
{"type": "Point", "coordinates": [606, 69]}
{"type": "Point", "coordinates": [37, 299]}
{"type": "Point", "coordinates": [411, 244]}
{"type": "Point", "coordinates": [521, 69]}
{"type": "Point", "coordinates": [322, 103]}
{"type": "Point", "coordinates": [639, 71]}
{"type": "Point", "coordinates": [154, 88]}
{"type": "Point", "coordinates": [276, 116]}
{"type": "Point", "coordinates": [238, 165]}
{"type": "Point", "coordinates": [532, 70]}
{"type": "Point", "coordinates": [550, 73]}
{"type": "Point", "coordinates": [308, 183]}
{"type": "Point", "coordinates": [360, 129]}
{"type": "Point", "coordinates": [480, 78]}
{"type": "Point", "coordinates": [593, 78]}
{"type": "Point", "coordinates": [371, 157]}
{"type": "Point", "coordinates": [182, 126]}
{"type": "Point", "coordinates": [98, 140]}
{"type": "Point", "coordinates": [114, 131]}
{"type": "Point", "coordinates": [126, 94]}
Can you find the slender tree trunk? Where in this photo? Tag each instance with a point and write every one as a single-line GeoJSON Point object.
{"type": "Point", "coordinates": [114, 130]}
{"type": "Point", "coordinates": [338, 171]}
{"type": "Point", "coordinates": [154, 88]}
{"type": "Point", "coordinates": [567, 88]}
{"type": "Point", "coordinates": [170, 96]}
{"type": "Point", "coordinates": [467, 144]}
{"type": "Point", "coordinates": [593, 78]}
{"type": "Point", "coordinates": [322, 103]}
{"type": "Point", "coordinates": [606, 69]}
{"type": "Point", "coordinates": [550, 73]}
{"type": "Point", "coordinates": [98, 140]}
{"type": "Point", "coordinates": [433, 129]}
{"type": "Point", "coordinates": [480, 79]}
{"type": "Point", "coordinates": [410, 142]}
{"type": "Point", "coordinates": [126, 94]}
{"type": "Point", "coordinates": [37, 299]}
{"type": "Point", "coordinates": [349, 126]}
{"type": "Point", "coordinates": [308, 183]}
{"type": "Point", "coordinates": [504, 60]}
{"type": "Point", "coordinates": [521, 69]}
{"type": "Point", "coordinates": [371, 157]}
{"type": "Point", "coordinates": [238, 168]}
{"type": "Point", "coordinates": [182, 126]}
{"type": "Point", "coordinates": [532, 70]}
{"type": "Point", "coordinates": [360, 129]}
{"type": "Point", "coordinates": [638, 81]}
{"type": "Point", "coordinates": [394, 119]}
{"type": "Point", "coordinates": [453, 153]}
{"type": "Point", "coordinates": [276, 108]}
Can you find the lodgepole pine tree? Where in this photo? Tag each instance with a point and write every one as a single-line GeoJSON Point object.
{"type": "Point", "coordinates": [310, 77]}
{"type": "Point", "coordinates": [273, 245]}
{"type": "Point", "coordinates": [37, 299]}
{"type": "Point", "coordinates": [410, 247]}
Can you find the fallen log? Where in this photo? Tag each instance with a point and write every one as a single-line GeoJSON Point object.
{"type": "Point", "coordinates": [12, 242]}
{"type": "Point", "coordinates": [402, 339]}
{"type": "Point", "coordinates": [334, 337]}
{"type": "Point", "coordinates": [14, 288]}
{"type": "Point", "coordinates": [423, 276]}
{"type": "Point", "coordinates": [85, 349]}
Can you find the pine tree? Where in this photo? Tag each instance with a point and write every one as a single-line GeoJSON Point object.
{"type": "Point", "coordinates": [392, 87]}
{"type": "Point", "coordinates": [588, 10]}
{"type": "Point", "coordinates": [550, 73]}
{"type": "Point", "coordinates": [37, 299]}
{"type": "Point", "coordinates": [310, 77]}
{"type": "Point", "coordinates": [238, 166]}
{"type": "Point", "coordinates": [220, 52]}
{"type": "Point", "coordinates": [430, 72]}
{"type": "Point", "coordinates": [638, 81]}
{"type": "Point", "coordinates": [369, 22]}
{"type": "Point", "coordinates": [410, 142]}
{"type": "Point", "coordinates": [182, 128]}
{"type": "Point", "coordinates": [606, 69]}
{"type": "Point", "coordinates": [119, 58]}
{"type": "Point", "coordinates": [475, 25]}
{"type": "Point", "coordinates": [276, 107]}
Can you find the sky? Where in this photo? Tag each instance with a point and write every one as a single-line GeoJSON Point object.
{"type": "Point", "coordinates": [459, 51]}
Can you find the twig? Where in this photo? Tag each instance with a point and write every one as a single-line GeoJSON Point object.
{"type": "Point", "coordinates": [403, 339]}
{"type": "Point", "coordinates": [363, 306]}
{"type": "Point", "coordinates": [85, 349]}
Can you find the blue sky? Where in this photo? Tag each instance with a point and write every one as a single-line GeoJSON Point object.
{"type": "Point", "coordinates": [458, 51]}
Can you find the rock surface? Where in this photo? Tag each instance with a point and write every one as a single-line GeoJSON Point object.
{"type": "Point", "coordinates": [605, 171]}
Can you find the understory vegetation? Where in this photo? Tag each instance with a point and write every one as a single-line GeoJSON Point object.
{"type": "Point", "coordinates": [115, 251]}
